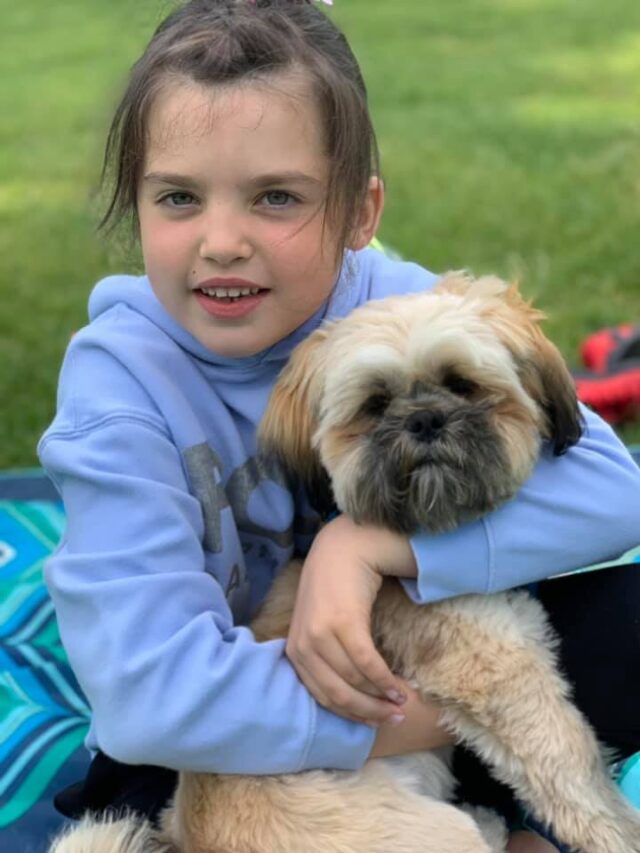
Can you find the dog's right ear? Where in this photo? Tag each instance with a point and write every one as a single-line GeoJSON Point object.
{"type": "Point", "coordinates": [290, 420]}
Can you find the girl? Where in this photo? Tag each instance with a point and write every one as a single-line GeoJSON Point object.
{"type": "Point", "coordinates": [244, 154]}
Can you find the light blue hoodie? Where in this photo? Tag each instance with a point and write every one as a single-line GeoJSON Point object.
{"type": "Point", "coordinates": [175, 533]}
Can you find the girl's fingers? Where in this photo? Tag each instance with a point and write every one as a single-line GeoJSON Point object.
{"type": "Point", "coordinates": [336, 657]}
{"type": "Point", "coordinates": [353, 657]}
{"type": "Point", "coordinates": [359, 649]}
{"type": "Point", "coordinates": [335, 694]}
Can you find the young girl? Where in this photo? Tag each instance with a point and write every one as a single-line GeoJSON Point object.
{"type": "Point", "coordinates": [244, 154]}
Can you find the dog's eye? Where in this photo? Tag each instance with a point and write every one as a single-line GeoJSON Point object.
{"type": "Point", "coordinates": [376, 405]}
{"type": "Point", "coordinates": [459, 385]}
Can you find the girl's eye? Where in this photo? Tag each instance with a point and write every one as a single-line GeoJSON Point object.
{"type": "Point", "coordinates": [277, 198]}
{"type": "Point", "coordinates": [178, 199]}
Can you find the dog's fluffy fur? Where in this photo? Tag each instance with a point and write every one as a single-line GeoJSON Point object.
{"type": "Point", "coordinates": [421, 411]}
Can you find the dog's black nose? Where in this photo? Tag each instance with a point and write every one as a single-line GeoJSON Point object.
{"type": "Point", "coordinates": [425, 425]}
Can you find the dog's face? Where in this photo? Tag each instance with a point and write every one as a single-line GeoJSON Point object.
{"type": "Point", "coordinates": [423, 411]}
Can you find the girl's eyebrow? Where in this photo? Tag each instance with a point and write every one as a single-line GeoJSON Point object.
{"type": "Point", "coordinates": [291, 177]}
{"type": "Point", "coordinates": [274, 179]}
{"type": "Point", "coordinates": [170, 178]}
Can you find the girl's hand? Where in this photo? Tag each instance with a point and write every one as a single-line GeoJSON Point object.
{"type": "Point", "coordinates": [420, 731]}
{"type": "Point", "coordinates": [329, 643]}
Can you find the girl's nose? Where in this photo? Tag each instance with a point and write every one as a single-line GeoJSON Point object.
{"type": "Point", "coordinates": [224, 238]}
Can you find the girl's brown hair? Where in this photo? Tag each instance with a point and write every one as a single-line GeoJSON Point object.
{"type": "Point", "coordinates": [223, 41]}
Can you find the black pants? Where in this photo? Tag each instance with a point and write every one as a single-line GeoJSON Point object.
{"type": "Point", "coordinates": [597, 616]}
{"type": "Point", "coordinates": [116, 788]}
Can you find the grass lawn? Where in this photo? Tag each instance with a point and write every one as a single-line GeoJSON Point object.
{"type": "Point", "coordinates": [510, 135]}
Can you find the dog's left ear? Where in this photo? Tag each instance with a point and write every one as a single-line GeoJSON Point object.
{"type": "Point", "coordinates": [546, 378]}
{"type": "Point", "coordinates": [291, 418]}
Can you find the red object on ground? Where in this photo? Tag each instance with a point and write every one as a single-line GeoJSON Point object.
{"type": "Point", "coordinates": [611, 386]}
{"type": "Point", "coordinates": [608, 346]}
{"type": "Point", "coordinates": [614, 395]}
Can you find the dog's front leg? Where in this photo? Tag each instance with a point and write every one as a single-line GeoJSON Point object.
{"type": "Point", "coordinates": [490, 660]}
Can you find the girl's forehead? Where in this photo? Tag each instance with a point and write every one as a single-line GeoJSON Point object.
{"type": "Point", "coordinates": [186, 111]}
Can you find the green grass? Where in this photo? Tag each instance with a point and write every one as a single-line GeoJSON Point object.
{"type": "Point", "coordinates": [510, 137]}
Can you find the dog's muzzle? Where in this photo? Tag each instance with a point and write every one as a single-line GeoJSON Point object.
{"type": "Point", "coordinates": [425, 426]}
{"type": "Point", "coordinates": [433, 468]}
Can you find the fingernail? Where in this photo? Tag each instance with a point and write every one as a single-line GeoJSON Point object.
{"type": "Point", "coordinates": [396, 719]}
{"type": "Point", "coordinates": [396, 696]}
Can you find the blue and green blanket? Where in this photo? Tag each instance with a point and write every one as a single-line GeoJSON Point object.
{"type": "Point", "coordinates": [43, 715]}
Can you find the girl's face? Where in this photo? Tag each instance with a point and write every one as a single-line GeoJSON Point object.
{"type": "Point", "coordinates": [231, 205]}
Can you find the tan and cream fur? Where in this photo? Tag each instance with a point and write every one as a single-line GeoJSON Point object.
{"type": "Point", "coordinates": [418, 412]}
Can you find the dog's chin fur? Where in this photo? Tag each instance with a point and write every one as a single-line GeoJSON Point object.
{"type": "Point", "coordinates": [470, 358]}
{"type": "Point", "coordinates": [390, 480]}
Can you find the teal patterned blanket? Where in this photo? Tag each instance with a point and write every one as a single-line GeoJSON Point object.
{"type": "Point", "coordinates": [43, 714]}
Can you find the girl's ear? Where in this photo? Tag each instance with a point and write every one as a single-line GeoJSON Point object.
{"type": "Point", "coordinates": [370, 215]}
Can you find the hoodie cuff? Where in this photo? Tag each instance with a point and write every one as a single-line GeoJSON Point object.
{"type": "Point", "coordinates": [337, 743]}
{"type": "Point", "coordinates": [449, 564]}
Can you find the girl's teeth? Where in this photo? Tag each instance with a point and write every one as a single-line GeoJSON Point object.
{"type": "Point", "coordinates": [230, 292]}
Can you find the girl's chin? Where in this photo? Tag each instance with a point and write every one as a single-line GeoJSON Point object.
{"type": "Point", "coordinates": [234, 343]}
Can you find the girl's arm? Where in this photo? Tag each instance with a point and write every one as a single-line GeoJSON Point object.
{"type": "Point", "coordinates": [148, 630]}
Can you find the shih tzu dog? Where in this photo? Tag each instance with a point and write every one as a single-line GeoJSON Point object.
{"type": "Point", "coordinates": [418, 412]}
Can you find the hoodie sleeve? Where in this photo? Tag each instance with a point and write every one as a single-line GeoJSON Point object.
{"type": "Point", "coordinates": [575, 510]}
{"type": "Point", "coordinates": [170, 680]}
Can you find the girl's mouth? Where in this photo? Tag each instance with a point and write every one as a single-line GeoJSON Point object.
{"type": "Point", "coordinates": [230, 303]}
{"type": "Point", "coordinates": [229, 294]}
